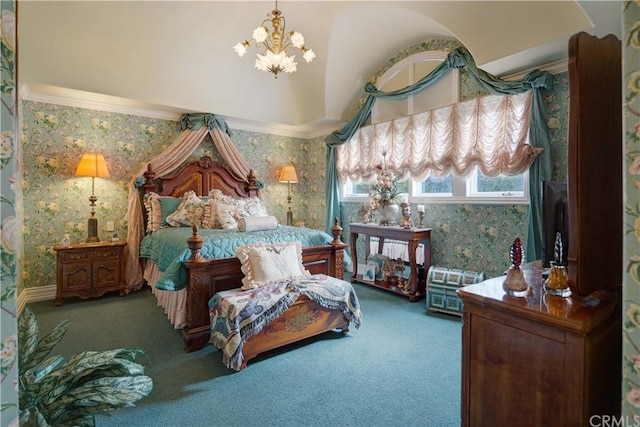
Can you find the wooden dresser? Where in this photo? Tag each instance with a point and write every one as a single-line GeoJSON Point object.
{"type": "Point", "coordinates": [540, 360]}
{"type": "Point", "coordinates": [89, 270]}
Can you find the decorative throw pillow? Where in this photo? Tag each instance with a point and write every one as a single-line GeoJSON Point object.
{"type": "Point", "coordinates": [264, 263]}
{"type": "Point", "coordinates": [154, 214]}
{"type": "Point", "coordinates": [230, 209]}
{"type": "Point", "coordinates": [158, 208]}
{"type": "Point", "coordinates": [189, 212]}
{"type": "Point", "coordinates": [250, 207]}
{"type": "Point", "coordinates": [168, 205]}
{"type": "Point", "coordinates": [226, 215]}
{"type": "Point", "coordinates": [258, 223]}
{"type": "Point", "coordinates": [209, 217]}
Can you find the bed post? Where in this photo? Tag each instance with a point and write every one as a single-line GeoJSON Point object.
{"type": "Point", "coordinates": [336, 230]}
{"type": "Point", "coordinates": [252, 184]}
{"type": "Point", "coordinates": [148, 187]}
{"type": "Point", "coordinates": [149, 176]}
{"type": "Point", "coordinates": [195, 244]}
{"type": "Point", "coordinates": [336, 266]}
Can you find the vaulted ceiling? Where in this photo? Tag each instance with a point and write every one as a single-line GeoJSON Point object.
{"type": "Point", "coordinates": [177, 56]}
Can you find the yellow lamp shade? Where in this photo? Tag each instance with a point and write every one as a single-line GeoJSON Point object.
{"type": "Point", "coordinates": [288, 174]}
{"type": "Point", "coordinates": [93, 165]}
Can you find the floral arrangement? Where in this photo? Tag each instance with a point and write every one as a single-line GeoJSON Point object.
{"type": "Point", "coordinates": [385, 191]}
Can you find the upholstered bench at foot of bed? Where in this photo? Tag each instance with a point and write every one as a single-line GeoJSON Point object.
{"type": "Point", "coordinates": [303, 318]}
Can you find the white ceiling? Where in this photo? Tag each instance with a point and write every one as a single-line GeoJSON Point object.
{"type": "Point", "coordinates": [176, 56]}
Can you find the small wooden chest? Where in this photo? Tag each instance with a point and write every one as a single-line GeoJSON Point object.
{"type": "Point", "coordinates": [442, 284]}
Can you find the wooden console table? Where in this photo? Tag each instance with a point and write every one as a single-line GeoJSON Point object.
{"type": "Point", "coordinates": [539, 360]}
{"type": "Point", "coordinates": [413, 236]}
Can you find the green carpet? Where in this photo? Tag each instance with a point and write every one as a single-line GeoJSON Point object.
{"type": "Point", "coordinates": [401, 368]}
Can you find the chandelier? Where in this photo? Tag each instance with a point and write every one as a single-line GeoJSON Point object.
{"type": "Point", "coordinates": [274, 44]}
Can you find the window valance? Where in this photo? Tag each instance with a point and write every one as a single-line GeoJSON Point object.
{"type": "Point", "coordinates": [536, 81]}
{"type": "Point", "coordinates": [491, 132]}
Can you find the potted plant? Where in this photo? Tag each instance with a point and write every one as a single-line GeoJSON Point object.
{"type": "Point", "coordinates": [53, 391]}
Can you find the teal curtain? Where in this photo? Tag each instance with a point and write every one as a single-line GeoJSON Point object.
{"type": "Point", "coordinates": [196, 120]}
{"type": "Point", "coordinates": [539, 136]}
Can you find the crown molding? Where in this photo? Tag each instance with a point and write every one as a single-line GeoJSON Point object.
{"type": "Point", "coordinates": [556, 67]}
{"type": "Point", "coordinates": [92, 101]}
{"type": "Point", "coordinates": [303, 132]}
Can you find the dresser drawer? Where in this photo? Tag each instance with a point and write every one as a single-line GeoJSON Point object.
{"type": "Point", "coordinates": [104, 253]}
{"type": "Point", "coordinates": [72, 256]}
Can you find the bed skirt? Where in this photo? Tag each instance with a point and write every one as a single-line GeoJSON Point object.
{"type": "Point", "coordinates": [174, 303]}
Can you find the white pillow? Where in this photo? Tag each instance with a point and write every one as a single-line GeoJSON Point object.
{"type": "Point", "coordinates": [189, 212]}
{"type": "Point", "coordinates": [258, 223]}
{"type": "Point", "coordinates": [264, 263]}
{"type": "Point", "coordinates": [229, 210]}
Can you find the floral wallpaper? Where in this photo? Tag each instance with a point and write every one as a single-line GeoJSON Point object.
{"type": "Point", "coordinates": [56, 202]}
{"type": "Point", "coordinates": [10, 241]}
{"type": "Point", "coordinates": [482, 234]}
{"type": "Point", "coordinates": [631, 237]}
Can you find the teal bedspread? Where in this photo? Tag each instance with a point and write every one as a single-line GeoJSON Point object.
{"type": "Point", "coordinates": [167, 247]}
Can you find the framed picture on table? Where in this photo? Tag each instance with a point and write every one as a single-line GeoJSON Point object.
{"type": "Point", "coordinates": [369, 274]}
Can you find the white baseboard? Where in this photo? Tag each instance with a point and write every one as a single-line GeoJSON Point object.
{"type": "Point", "coordinates": [40, 293]}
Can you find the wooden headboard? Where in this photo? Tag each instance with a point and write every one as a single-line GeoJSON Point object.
{"type": "Point", "coordinates": [201, 176]}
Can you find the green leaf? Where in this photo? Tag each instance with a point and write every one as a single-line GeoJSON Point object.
{"type": "Point", "coordinates": [36, 350]}
{"type": "Point", "coordinates": [46, 367]}
{"type": "Point", "coordinates": [27, 339]}
{"type": "Point", "coordinates": [117, 392]}
{"type": "Point", "coordinates": [49, 341]}
{"type": "Point", "coordinates": [35, 374]}
{"type": "Point", "coordinates": [86, 366]}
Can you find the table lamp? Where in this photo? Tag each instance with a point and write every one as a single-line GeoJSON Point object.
{"type": "Point", "coordinates": [288, 175]}
{"type": "Point", "coordinates": [93, 165]}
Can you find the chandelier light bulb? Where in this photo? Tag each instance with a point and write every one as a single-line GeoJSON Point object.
{"type": "Point", "coordinates": [241, 48]}
{"type": "Point", "coordinates": [308, 55]}
{"type": "Point", "coordinates": [275, 45]}
{"type": "Point", "coordinates": [260, 34]}
{"type": "Point", "coordinates": [297, 39]}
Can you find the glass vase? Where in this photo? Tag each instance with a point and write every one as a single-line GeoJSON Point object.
{"type": "Point", "coordinates": [389, 213]}
{"type": "Point", "coordinates": [515, 284]}
{"type": "Point", "coordinates": [558, 281]}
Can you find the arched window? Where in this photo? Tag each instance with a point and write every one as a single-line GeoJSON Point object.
{"type": "Point", "coordinates": [475, 187]}
{"type": "Point", "coordinates": [407, 72]}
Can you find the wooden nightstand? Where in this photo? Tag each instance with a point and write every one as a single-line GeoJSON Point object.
{"type": "Point", "coordinates": [89, 270]}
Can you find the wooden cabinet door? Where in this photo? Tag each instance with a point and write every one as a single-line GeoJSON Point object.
{"type": "Point", "coordinates": [106, 274]}
{"type": "Point", "coordinates": [76, 277]}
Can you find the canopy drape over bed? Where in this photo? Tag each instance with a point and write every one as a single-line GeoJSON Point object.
{"type": "Point", "coordinates": [194, 129]}
{"type": "Point", "coordinates": [536, 81]}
